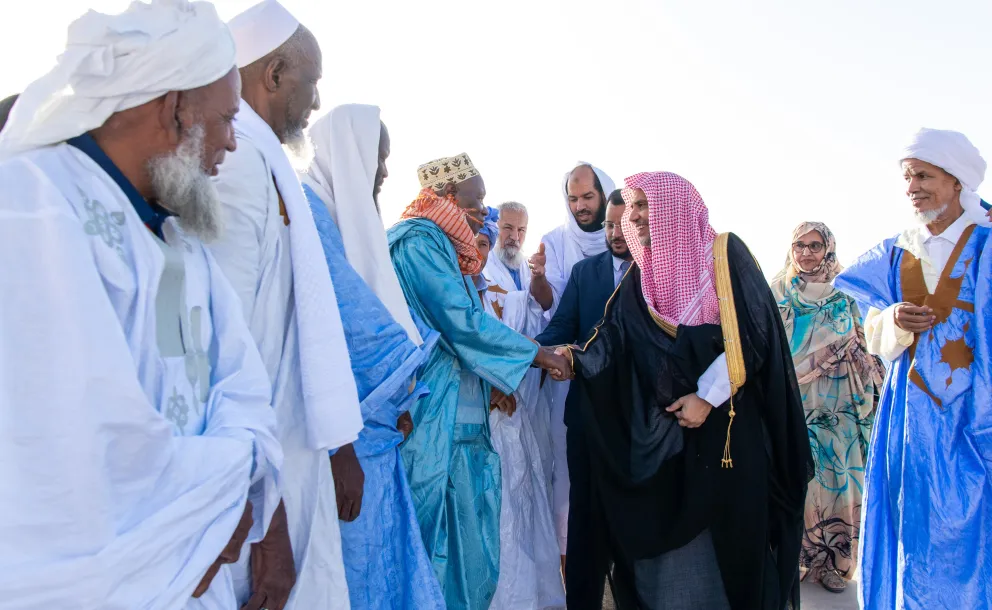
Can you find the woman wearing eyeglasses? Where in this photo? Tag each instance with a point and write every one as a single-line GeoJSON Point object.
{"type": "Point", "coordinates": [838, 380]}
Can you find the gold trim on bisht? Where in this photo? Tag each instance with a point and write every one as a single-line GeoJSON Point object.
{"type": "Point", "coordinates": [731, 332]}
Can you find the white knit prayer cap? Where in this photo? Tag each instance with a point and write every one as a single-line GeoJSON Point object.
{"type": "Point", "coordinates": [260, 30]}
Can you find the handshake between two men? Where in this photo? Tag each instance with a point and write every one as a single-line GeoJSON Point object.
{"type": "Point", "coordinates": [556, 361]}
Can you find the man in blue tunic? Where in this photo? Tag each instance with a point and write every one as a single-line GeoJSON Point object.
{"type": "Point", "coordinates": [385, 562]}
{"type": "Point", "coordinates": [926, 540]}
{"type": "Point", "coordinates": [454, 472]}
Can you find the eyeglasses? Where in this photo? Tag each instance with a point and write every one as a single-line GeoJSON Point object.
{"type": "Point", "coordinates": [815, 247]}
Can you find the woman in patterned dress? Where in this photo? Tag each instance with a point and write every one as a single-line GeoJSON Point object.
{"type": "Point", "coordinates": [838, 379]}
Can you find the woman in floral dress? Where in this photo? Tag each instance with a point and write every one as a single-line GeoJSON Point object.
{"type": "Point", "coordinates": [838, 379]}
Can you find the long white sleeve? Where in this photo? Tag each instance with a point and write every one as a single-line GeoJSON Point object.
{"type": "Point", "coordinates": [714, 384]}
{"type": "Point", "coordinates": [883, 336]}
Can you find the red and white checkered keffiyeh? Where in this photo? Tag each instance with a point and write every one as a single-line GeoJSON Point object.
{"type": "Point", "coordinates": [677, 268]}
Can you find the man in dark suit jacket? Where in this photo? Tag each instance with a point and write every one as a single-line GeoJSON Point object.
{"type": "Point", "coordinates": [587, 556]}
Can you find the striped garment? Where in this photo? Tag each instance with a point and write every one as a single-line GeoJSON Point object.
{"type": "Point", "coordinates": [446, 214]}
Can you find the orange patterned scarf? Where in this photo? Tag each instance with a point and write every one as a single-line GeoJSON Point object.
{"type": "Point", "coordinates": [446, 214]}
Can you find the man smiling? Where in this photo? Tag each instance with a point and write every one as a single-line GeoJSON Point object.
{"type": "Point", "coordinates": [928, 501]}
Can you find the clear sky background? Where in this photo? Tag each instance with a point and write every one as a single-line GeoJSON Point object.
{"type": "Point", "coordinates": [779, 111]}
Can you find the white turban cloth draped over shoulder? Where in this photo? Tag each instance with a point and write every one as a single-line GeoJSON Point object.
{"type": "Point", "coordinates": [117, 62]}
{"type": "Point", "coordinates": [952, 152]}
{"type": "Point", "coordinates": [342, 174]}
{"type": "Point", "coordinates": [261, 29]}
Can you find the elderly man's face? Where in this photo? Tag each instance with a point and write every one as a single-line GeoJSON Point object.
{"type": "Point", "coordinates": [215, 107]}
{"type": "Point", "coordinates": [381, 173]}
{"type": "Point", "coordinates": [584, 199]}
{"type": "Point", "coordinates": [639, 216]}
{"type": "Point", "coordinates": [932, 190]}
{"type": "Point", "coordinates": [470, 196]}
{"type": "Point", "coordinates": [298, 89]}
{"type": "Point", "coordinates": [512, 230]}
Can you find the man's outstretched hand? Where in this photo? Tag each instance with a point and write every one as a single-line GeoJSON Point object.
{"type": "Point", "coordinates": [349, 482]}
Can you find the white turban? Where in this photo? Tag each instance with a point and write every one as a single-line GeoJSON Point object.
{"type": "Point", "coordinates": [116, 62]}
{"type": "Point", "coordinates": [342, 174]}
{"type": "Point", "coordinates": [260, 30]}
{"type": "Point", "coordinates": [952, 152]}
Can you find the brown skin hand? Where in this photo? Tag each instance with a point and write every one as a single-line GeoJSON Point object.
{"type": "Point", "coordinates": [131, 138]}
{"type": "Point", "coordinates": [282, 86]}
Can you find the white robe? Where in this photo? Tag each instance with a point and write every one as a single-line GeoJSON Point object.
{"type": "Point", "coordinates": [255, 252]}
{"type": "Point", "coordinates": [134, 408]}
{"type": "Point", "coordinates": [529, 566]}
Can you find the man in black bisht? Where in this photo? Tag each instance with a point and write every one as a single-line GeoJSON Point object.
{"type": "Point", "coordinates": [694, 421]}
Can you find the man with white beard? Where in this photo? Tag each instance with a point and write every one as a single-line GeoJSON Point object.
{"type": "Point", "coordinates": [138, 440]}
{"type": "Point", "coordinates": [271, 253]}
{"type": "Point", "coordinates": [585, 189]}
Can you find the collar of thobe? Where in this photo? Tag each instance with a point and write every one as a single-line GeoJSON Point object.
{"type": "Point", "coordinates": [330, 396]}
{"type": "Point", "coordinates": [915, 240]}
{"type": "Point", "coordinates": [152, 214]}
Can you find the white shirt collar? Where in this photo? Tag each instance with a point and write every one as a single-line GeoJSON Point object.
{"type": "Point", "coordinates": [952, 233]}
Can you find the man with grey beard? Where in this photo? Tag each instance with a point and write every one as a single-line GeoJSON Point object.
{"type": "Point", "coordinates": [926, 291]}
{"type": "Point", "coordinates": [271, 253]}
{"type": "Point", "coordinates": [137, 429]}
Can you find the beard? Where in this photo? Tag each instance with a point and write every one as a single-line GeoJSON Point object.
{"type": "Point", "coordinates": [597, 222]}
{"type": "Point", "coordinates": [621, 254]}
{"type": "Point", "coordinates": [182, 186]}
{"type": "Point", "coordinates": [510, 255]}
{"type": "Point", "coordinates": [299, 148]}
{"type": "Point", "coordinates": [926, 217]}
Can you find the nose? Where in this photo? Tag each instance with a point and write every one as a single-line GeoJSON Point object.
{"type": "Point", "coordinates": [316, 100]}
{"type": "Point", "coordinates": [635, 216]}
{"type": "Point", "coordinates": [231, 143]}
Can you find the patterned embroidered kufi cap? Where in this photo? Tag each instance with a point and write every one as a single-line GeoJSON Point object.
{"type": "Point", "coordinates": [439, 172]}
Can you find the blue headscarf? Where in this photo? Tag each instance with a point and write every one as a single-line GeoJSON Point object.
{"type": "Point", "coordinates": [489, 228]}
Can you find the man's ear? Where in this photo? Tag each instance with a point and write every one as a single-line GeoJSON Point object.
{"type": "Point", "coordinates": [449, 189]}
{"type": "Point", "coordinates": [169, 117]}
{"type": "Point", "coordinates": [275, 71]}
{"type": "Point", "coordinates": [957, 185]}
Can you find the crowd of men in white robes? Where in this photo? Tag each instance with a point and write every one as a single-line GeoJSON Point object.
{"type": "Point", "coordinates": [224, 384]}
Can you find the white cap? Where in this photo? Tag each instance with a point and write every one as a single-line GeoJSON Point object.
{"type": "Point", "coordinates": [260, 30]}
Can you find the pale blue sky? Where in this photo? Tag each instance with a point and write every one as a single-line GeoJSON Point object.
{"type": "Point", "coordinates": [778, 111]}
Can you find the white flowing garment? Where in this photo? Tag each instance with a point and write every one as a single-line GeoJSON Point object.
{"type": "Point", "coordinates": [116, 62]}
{"type": "Point", "coordinates": [529, 563]}
{"type": "Point", "coordinates": [134, 408]}
{"type": "Point", "coordinates": [342, 174]}
{"type": "Point", "coordinates": [564, 247]}
{"type": "Point", "coordinates": [280, 273]}
{"type": "Point", "coordinates": [955, 154]}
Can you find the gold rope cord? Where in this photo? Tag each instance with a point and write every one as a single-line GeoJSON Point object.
{"type": "Point", "coordinates": [731, 333]}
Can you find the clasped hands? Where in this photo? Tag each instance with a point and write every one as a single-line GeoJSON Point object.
{"type": "Point", "coordinates": [557, 362]}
